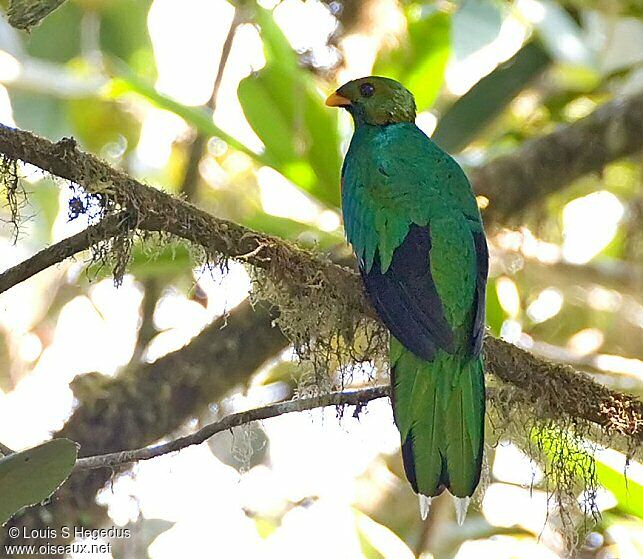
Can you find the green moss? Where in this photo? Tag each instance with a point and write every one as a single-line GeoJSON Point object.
{"type": "Point", "coordinates": [326, 338]}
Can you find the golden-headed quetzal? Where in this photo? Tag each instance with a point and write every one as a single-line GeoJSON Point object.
{"type": "Point", "coordinates": [413, 222]}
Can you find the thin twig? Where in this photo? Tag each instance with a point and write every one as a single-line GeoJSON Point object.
{"type": "Point", "coordinates": [357, 398]}
{"type": "Point", "coordinates": [190, 178]}
{"type": "Point", "coordinates": [237, 20]}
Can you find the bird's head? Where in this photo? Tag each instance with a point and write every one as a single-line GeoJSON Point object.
{"type": "Point", "coordinates": [375, 100]}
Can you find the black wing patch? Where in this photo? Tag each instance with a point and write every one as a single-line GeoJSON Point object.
{"type": "Point", "coordinates": [406, 298]}
{"type": "Point", "coordinates": [482, 261]}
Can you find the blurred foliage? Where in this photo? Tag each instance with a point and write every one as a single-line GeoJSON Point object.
{"type": "Point", "coordinates": [469, 114]}
{"type": "Point", "coordinates": [127, 83]}
{"type": "Point", "coordinates": [52, 39]}
{"type": "Point", "coordinates": [420, 60]}
{"type": "Point", "coordinates": [89, 70]}
{"type": "Point", "coordinates": [286, 111]}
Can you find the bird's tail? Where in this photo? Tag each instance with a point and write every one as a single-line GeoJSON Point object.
{"type": "Point", "coordinates": [439, 409]}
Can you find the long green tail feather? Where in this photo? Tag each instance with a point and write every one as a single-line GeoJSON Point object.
{"type": "Point", "coordinates": [439, 409]}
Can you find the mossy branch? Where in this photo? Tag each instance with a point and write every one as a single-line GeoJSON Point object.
{"type": "Point", "coordinates": [546, 164]}
{"type": "Point", "coordinates": [305, 275]}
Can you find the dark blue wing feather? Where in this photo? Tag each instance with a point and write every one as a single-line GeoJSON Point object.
{"type": "Point", "coordinates": [482, 260]}
{"type": "Point", "coordinates": [406, 299]}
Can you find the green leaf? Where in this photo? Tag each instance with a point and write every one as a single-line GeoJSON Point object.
{"type": "Point", "coordinates": [420, 61]}
{"type": "Point", "coordinates": [378, 541]}
{"type": "Point", "coordinates": [476, 23]}
{"type": "Point", "coordinates": [267, 101]}
{"type": "Point", "coordinates": [625, 484]}
{"type": "Point", "coordinates": [124, 34]}
{"type": "Point", "coordinates": [126, 82]}
{"type": "Point", "coordinates": [303, 234]}
{"type": "Point", "coordinates": [31, 476]}
{"type": "Point", "coordinates": [298, 134]}
{"type": "Point", "coordinates": [495, 314]}
{"type": "Point", "coordinates": [40, 113]}
{"type": "Point", "coordinates": [286, 111]}
{"type": "Point", "coordinates": [57, 37]}
{"type": "Point", "coordinates": [241, 448]}
{"type": "Point", "coordinates": [45, 199]}
{"type": "Point", "coordinates": [477, 108]}
{"type": "Point", "coordinates": [171, 262]}
{"type": "Point", "coordinates": [276, 46]}
{"type": "Point", "coordinates": [98, 122]}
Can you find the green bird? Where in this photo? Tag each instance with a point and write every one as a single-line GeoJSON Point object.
{"type": "Point", "coordinates": [414, 224]}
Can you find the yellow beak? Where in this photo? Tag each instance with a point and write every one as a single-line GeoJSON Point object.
{"type": "Point", "coordinates": [337, 100]}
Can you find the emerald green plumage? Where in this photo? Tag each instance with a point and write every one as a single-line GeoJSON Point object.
{"type": "Point", "coordinates": [393, 176]}
{"type": "Point", "coordinates": [430, 397]}
{"type": "Point", "coordinates": [414, 224]}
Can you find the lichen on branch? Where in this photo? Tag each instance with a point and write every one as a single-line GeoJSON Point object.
{"type": "Point", "coordinates": [323, 309]}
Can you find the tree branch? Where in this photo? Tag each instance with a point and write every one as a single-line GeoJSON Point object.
{"type": "Point", "coordinates": [306, 275]}
{"type": "Point", "coordinates": [5, 450]}
{"type": "Point", "coordinates": [107, 228]}
{"type": "Point", "coordinates": [511, 182]}
{"type": "Point", "coordinates": [357, 398]}
{"type": "Point", "coordinates": [546, 164]}
{"type": "Point", "coordinates": [564, 391]}
{"type": "Point", "coordinates": [25, 15]}
{"type": "Point", "coordinates": [154, 210]}
{"type": "Point", "coordinates": [145, 402]}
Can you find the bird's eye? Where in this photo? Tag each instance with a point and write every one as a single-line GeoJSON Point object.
{"type": "Point", "coordinates": [366, 89]}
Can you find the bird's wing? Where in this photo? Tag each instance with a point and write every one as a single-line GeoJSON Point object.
{"type": "Point", "coordinates": [458, 269]}
{"type": "Point", "coordinates": [398, 178]}
{"type": "Point", "coordinates": [415, 228]}
{"type": "Point", "coordinates": [405, 296]}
